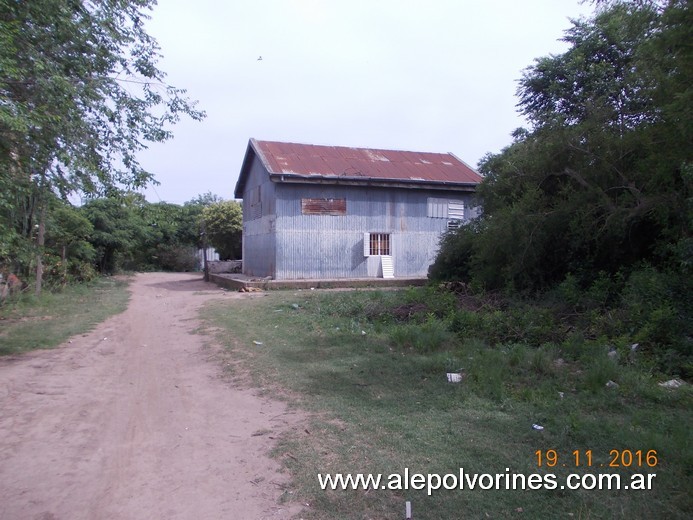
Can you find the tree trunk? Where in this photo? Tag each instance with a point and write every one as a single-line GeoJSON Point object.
{"type": "Point", "coordinates": [63, 259]}
{"type": "Point", "coordinates": [204, 252]}
{"type": "Point", "coordinates": [40, 242]}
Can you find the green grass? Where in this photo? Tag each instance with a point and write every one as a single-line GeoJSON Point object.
{"type": "Point", "coordinates": [28, 323]}
{"type": "Point", "coordinates": [370, 367]}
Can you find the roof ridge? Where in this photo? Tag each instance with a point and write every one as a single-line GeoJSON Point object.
{"type": "Point", "coordinates": [341, 146]}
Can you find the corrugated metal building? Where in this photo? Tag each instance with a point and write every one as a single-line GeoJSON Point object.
{"type": "Point", "coordinates": [317, 212]}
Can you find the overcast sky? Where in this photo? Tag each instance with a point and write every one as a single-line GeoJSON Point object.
{"type": "Point", "coordinates": [433, 76]}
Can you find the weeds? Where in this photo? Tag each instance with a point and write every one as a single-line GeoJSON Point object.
{"type": "Point", "coordinates": [374, 363]}
{"type": "Point", "coordinates": [430, 336]}
{"type": "Point", "coordinates": [28, 322]}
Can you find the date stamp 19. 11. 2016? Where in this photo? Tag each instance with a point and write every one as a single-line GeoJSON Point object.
{"type": "Point", "coordinates": [625, 458]}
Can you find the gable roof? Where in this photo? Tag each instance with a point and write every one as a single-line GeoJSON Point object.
{"type": "Point", "coordinates": [306, 163]}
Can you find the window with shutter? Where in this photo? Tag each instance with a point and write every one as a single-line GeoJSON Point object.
{"type": "Point", "coordinates": [455, 213]}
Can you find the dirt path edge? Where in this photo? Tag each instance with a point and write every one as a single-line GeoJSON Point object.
{"type": "Point", "coordinates": [135, 421]}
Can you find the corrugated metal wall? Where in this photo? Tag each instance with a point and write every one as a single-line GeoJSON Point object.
{"type": "Point", "coordinates": [259, 247]}
{"type": "Point", "coordinates": [331, 246]}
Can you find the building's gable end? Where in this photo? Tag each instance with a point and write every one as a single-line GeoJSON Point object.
{"type": "Point", "coordinates": [259, 217]}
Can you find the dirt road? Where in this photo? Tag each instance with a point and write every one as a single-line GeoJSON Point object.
{"type": "Point", "coordinates": [134, 421]}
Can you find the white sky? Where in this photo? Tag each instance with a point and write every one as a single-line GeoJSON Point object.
{"type": "Point", "coordinates": [426, 75]}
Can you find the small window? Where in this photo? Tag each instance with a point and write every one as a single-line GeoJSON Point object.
{"type": "Point", "coordinates": [254, 208]}
{"type": "Point", "coordinates": [376, 244]}
{"type": "Point", "coordinates": [455, 214]}
{"type": "Point", "coordinates": [437, 208]}
{"type": "Point", "coordinates": [445, 208]}
{"type": "Point", "coordinates": [455, 210]}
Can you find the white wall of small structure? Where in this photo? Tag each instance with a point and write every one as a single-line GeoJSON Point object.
{"type": "Point", "coordinates": [211, 256]}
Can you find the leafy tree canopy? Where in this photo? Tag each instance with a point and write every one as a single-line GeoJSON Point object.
{"type": "Point", "coordinates": [602, 179]}
{"type": "Point", "coordinates": [81, 94]}
{"type": "Point", "coordinates": [223, 226]}
{"type": "Point", "coordinates": [592, 205]}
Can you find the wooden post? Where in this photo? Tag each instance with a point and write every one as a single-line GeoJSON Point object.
{"type": "Point", "coordinates": [40, 242]}
{"type": "Point", "coordinates": [204, 252]}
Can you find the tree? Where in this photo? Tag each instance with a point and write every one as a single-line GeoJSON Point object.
{"type": "Point", "coordinates": [173, 239]}
{"type": "Point", "coordinates": [600, 182]}
{"type": "Point", "coordinates": [223, 224]}
{"type": "Point", "coordinates": [119, 232]}
{"type": "Point", "coordinates": [130, 233]}
{"type": "Point", "coordinates": [67, 240]}
{"type": "Point", "coordinates": [204, 200]}
{"type": "Point", "coordinates": [80, 96]}
{"type": "Point", "coordinates": [193, 214]}
{"type": "Point", "coordinates": [594, 202]}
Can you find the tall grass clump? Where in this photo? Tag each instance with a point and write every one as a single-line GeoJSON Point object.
{"type": "Point", "coordinates": [430, 336]}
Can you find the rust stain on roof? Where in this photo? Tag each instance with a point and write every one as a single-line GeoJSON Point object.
{"type": "Point", "coordinates": [341, 161]}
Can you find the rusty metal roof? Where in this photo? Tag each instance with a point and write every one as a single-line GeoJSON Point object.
{"type": "Point", "coordinates": [292, 162]}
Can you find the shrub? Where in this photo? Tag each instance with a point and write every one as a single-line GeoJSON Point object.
{"type": "Point", "coordinates": [176, 258]}
{"type": "Point", "coordinates": [658, 309]}
{"type": "Point", "coordinates": [454, 259]}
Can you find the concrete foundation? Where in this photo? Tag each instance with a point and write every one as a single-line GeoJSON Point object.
{"type": "Point", "coordinates": [239, 282]}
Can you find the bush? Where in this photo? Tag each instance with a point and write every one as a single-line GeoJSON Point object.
{"type": "Point", "coordinates": [659, 312]}
{"type": "Point", "coordinates": [520, 323]}
{"type": "Point", "coordinates": [455, 255]}
{"type": "Point", "coordinates": [175, 258]}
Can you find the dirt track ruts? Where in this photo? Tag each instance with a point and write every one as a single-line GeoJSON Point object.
{"type": "Point", "coordinates": [134, 421]}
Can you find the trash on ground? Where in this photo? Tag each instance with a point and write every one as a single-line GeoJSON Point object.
{"type": "Point", "coordinates": [454, 377]}
{"type": "Point", "coordinates": [537, 427]}
{"type": "Point", "coordinates": [612, 384]}
{"type": "Point", "coordinates": [258, 342]}
{"type": "Point", "coordinates": [672, 383]}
